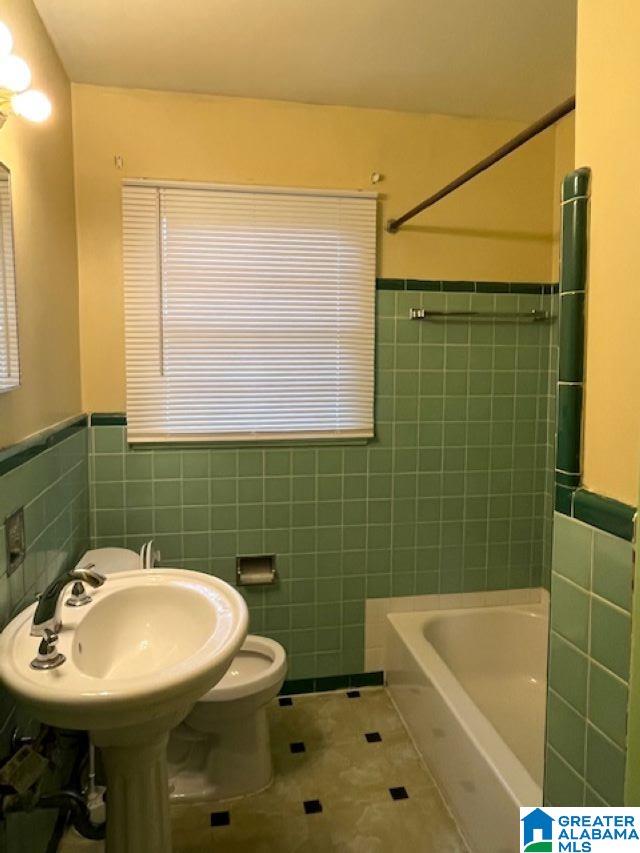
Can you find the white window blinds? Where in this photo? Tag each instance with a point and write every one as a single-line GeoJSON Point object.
{"type": "Point", "coordinates": [249, 312]}
{"type": "Point", "coordinates": [9, 366]}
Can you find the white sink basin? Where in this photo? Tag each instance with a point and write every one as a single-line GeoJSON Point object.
{"type": "Point", "coordinates": [149, 643]}
{"type": "Point", "coordinates": [138, 656]}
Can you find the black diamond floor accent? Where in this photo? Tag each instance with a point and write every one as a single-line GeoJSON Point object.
{"type": "Point", "coordinates": [285, 701]}
{"type": "Point", "coordinates": [298, 746]}
{"type": "Point", "coordinates": [373, 737]}
{"type": "Point", "coordinates": [353, 694]}
{"type": "Point", "coordinates": [220, 819]}
{"type": "Point", "coordinates": [398, 793]}
{"type": "Point", "coordinates": [312, 806]}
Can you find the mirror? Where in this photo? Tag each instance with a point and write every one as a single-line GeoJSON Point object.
{"type": "Point", "coordinates": [9, 365]}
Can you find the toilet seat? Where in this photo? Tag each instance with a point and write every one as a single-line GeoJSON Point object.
{"type": "Point", "coordinates": [259, 664]}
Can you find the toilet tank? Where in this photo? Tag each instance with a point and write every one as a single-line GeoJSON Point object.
{"type": "Point", "coordinates": [109, 561]}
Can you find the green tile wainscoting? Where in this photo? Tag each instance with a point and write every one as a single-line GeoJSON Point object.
{"type": "Point", "coordinates": [50, 480]}
{"type": "Point", "coordinates": [48, 476]}
{"type": "Point", "coordinates": [591, 593]}
{"type": "Point", "coordinates": [454, 494]}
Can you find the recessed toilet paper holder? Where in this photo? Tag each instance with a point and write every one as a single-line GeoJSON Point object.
{"type": "Point", "coordinates": [256, 570]}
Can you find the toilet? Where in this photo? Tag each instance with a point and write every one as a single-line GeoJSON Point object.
{"type": "Point", "coordinates": [222, 748]}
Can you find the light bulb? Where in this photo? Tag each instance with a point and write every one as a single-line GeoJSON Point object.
{"type": "Point", "coordinates": [6, 40]}
{"type": "Point", "coordinates": [14, 73]}
{"type": "Point", "coordinates": [32, 105]}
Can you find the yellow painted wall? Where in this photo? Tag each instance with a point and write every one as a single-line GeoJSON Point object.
{"type": "Point", "coordinates": [499, 227]}
{"type": "Point", "coordinates": [40, 158]}
{"type": "Point", "coordinates": [565, 131]}
{"type": "Point", "coordinates": [607, 134]}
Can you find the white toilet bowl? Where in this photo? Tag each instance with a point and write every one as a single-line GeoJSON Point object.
{"type": "Point", "coordinates": [222, 749]}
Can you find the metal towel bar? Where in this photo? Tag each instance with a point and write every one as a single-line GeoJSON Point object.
{"type": "Point", "coordinates": [426, 314]}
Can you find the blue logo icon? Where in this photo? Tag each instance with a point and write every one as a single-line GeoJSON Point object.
{"type": "Point", "coordinates": [537, 832]}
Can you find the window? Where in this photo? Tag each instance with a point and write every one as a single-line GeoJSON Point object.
{"type": "Point", "coordinates": [249, 312]}
{"type": "Point", "coordinates": [9, 366]}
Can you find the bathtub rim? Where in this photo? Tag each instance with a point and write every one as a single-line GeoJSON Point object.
{"type": "Point", "coordinates": [515, 777]}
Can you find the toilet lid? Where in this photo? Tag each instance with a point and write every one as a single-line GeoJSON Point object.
{"type": "Point", "coordinates": [109, 561]}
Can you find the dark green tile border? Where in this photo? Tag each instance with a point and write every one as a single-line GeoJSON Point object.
{"type": "Point", "coordinates": [571, 354]}
{"type": "Point", "coordinates": [430, 285]}
{"type": "Point", "coordinates": [392, 284]}
{"type": "Point", "coordinates": [569, 430]}
{"type": "Point", "coordinates": [22, 452]}
{"type": "Point", "coordinates": [576, 184]}
{"type": "Point", "coordinates": [604, 513]}
{"type": "Point", "coordinates": [108, 419]}
{"type": "Point", "coordinates": [327, 683]}
{"type": "Point", "coordinates": [567, 481]}
{"type": "Point", "coordinates": [564, 498]}
{"type": "Point", "coordinates": [573, 283]}
{"type": "Point", "coordinates": [574, 245]}
{"type": "Point", "coordinates": [416, 284]}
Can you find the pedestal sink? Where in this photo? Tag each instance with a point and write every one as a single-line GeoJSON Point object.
{"type": "Point", "coordinates": [138, 656]}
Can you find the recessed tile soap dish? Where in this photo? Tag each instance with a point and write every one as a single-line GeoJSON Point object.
{"type": "Point", "coordinates": [256, 570]}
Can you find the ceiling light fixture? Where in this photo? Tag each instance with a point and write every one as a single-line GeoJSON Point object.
{"type": "Point", "coordinates": [15, 79]}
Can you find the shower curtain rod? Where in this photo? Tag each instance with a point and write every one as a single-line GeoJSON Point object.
{"type": "Point", "coordinates": [525, 135]}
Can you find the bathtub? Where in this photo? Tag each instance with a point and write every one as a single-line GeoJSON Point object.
{"type": "Point", "coordinates": [470, 686]}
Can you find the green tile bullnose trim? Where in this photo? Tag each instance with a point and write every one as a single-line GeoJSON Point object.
{"type": "Point", "coordinates": [535, 288]}
{"type": "Point", "coordinates": [569, 431]}
{"type": "Point", "coordinates": [573, 274]}
{"type": "Point", "coordinates": [17, 454]}
{"type": "Point", "coordinates": [568, 481]}
{"type": "Point", "coordinates": [571, 355]}
{"type": "Point", "coordinates": [604, 513]}
{"type": "Point", "coordinates": [573, 282]}
{"type": "Point", "coordinates": [576, 184]}
{"type": "Point", "coordinates": [108, 419]}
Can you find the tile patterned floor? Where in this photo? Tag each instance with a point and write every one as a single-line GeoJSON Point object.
{"type": "Point", "coordinates": [346, 778]}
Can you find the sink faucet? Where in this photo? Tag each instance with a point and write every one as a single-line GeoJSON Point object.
{"type": "Point", "coordinates": [47, 615]}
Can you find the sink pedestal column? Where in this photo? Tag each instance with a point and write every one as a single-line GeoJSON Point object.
{"type": "Point", "coordinates": [137, 798]}
{"type": "Point", "coordinates": [135, 763]}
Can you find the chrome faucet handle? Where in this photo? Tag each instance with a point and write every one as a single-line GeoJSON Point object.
{"type": "Point", "coordinates": [49, 638]}
{"type": "Point", "coordinates": [48, 656]}
{"type": "Point", "coordinates": [88, 574]}
{"type": "Point", "coordinates": [79, 596]}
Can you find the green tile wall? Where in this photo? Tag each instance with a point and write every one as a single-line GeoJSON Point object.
{"type": "Point", "coordinates": [53, 488]}
{"type": "Point", "coordinates": [588, 666]}
{"type": "Point", "coordinates": [454, 493]}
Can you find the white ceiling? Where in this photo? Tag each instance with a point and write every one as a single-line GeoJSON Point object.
{"type": "Point", "coordinates": [498, 58]}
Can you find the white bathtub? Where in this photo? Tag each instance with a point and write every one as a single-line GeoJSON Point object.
{"type": "Point", "coordinates": [470, 686]}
